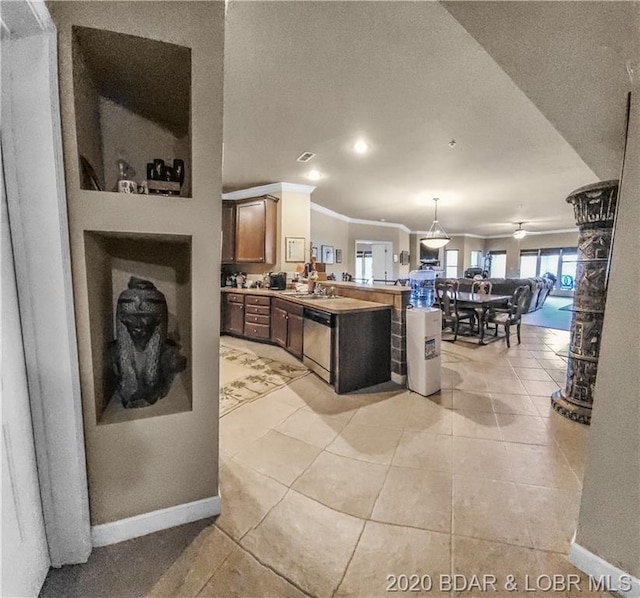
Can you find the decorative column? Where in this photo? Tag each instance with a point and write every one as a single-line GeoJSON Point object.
{"type": "Point", "coordinates": [594, 208]}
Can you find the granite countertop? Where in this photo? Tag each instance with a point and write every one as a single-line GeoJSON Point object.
{"type": "Point", "coordinates": [378, 288]}
{"type": "Point", "coordinates": [332, 305]}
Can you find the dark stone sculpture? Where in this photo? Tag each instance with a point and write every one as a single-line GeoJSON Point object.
{"type": "Point", "coordinates": [143, 360]}
{"type": "Point", "coordinates": [594, 208]}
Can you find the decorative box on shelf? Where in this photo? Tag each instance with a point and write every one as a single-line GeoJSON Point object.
{"type": "Point", "coordinates": [163, 187]}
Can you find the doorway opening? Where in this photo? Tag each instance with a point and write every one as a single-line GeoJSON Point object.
{"type": "Point", "coordinates": [374, 262]}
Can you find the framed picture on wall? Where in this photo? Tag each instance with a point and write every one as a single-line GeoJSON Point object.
{"type": "Point", "coordinates": [327, 254]}
{"type": "Point", "coordinates": [294, 249]}
{"type": "Point", "coordinates": [314, 252]}
{"type": "Point", "coordinates": [338, 256]}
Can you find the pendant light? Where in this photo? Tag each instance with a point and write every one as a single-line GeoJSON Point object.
{"type": "Point", "coordinates": [519, 233]}
{"type": "Point", "coordinates": [437, 236]}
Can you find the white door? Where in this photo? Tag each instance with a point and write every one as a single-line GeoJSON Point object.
{"type": "Point", "coordinates": [382, 261]}
{"type": "Point", "coordinates": [25, 557]}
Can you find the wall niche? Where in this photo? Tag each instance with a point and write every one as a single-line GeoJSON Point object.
{"type": "Point", "coordinates": [132, 104]}
{"type": "Point", "coordinates": [112, 259]}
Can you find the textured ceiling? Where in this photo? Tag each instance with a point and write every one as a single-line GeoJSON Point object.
{"type": "Point", "coordinates": [409, 78]}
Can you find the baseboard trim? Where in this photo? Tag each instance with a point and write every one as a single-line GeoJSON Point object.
{"type": "Point", "coordinates": [617, 580]}
{"type": "Point", "coordinates": [147, 523]}
{"type": "Point", "coordinates": [399, 379]}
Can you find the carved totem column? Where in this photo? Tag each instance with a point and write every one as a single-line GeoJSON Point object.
{"type": "Point", "coordinates": [594, 208]}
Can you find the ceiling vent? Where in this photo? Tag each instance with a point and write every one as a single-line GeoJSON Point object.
{"type": "Point", "coordinates": [305, 157]}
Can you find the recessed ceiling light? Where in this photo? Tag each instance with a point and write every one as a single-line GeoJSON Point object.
{"type": "Point", "coordinates": [383, 219]}
{"type": "Point", "coordinates": [314, 175]}
{"type": "Point", "coordinates": [452, 143]}
{"type": "Point", "coordinates": [360, 147]}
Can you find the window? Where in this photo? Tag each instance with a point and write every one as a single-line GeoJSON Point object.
{"type": "Point", "coordinates": [528, 264]}
{"type": "Point", "coordinates": [476, 259]}
{"type": "Point", "coordinates": [568, 269]}
{"type": "Point", "coordinates": [451, 263]}
{"type": "Point", "coordinates": [498, 264]}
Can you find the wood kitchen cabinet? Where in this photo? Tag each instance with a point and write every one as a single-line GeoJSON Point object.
{"type": "Point", "coordinates": [228, 253]}
{"type": "Point", "coordinates": [257, 317]}
{"type": "Point", "coordinates": [249, 230]}
{"type": "Point", "coordinates": [233, 313]}
{"type": "Point", "coordinates": [287, 325]}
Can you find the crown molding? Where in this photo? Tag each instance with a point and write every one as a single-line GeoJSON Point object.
{"type": "Point", "coordinates": [267, 189]}
{"type": "Point", "coordinates": [338, 216]}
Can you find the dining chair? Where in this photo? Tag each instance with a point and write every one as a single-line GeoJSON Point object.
{"type": "Point", "coordinates": [447, 297]}
{"type": "Point", "coordinates": [512, 315]}
{"type": "Point", "coordinates": [481, 287]}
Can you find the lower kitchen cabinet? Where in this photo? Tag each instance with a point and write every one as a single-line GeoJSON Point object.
{"type": "Point", "coordinates": [233, 313]}
{"type": "Point", "coordinates": [286, 326]}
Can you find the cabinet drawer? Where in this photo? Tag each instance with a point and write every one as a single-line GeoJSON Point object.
{"type": "Point", "coordinates": [258, 300]}
{"type": "Point", "coordinates": [256, 330]}
{"type": "Point", "coordinates": [260, 310]}
{"type": "Point", "coordinates": [235, 297]}
{"type": "Point", "coordinates": [254, 319]}
{"type": "Point", "coordinates": [288, 306]}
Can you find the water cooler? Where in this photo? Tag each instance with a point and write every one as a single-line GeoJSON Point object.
{"type": "Point", "coordinates": [424, 331]}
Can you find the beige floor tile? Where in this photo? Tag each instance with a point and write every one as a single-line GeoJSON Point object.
{"type": "Point", "coordinates": [476, 424]}
{"type": "Point", "coordinates": [306, 542]}
{"type": "Point", "coordinates": [424, 450]}
{"type": "Point", "coordinates": [390, 413]}
{"type": "Point", "coordinates": [471, 556]}
{"type": "Point", "coordinates": [524, 428]}
{"type": "Point", "coordinates": [346, 485]}
{"type": "Point", "coordinates": [314, 428]}
{"type": "Point", "coordinates": [518, 404]}
{"type": "Point", "coordinates": [511, 386]}
{"type": "Point", "coordinates": [367, 443]}
{"type": "Point", "coordinates": [576, 458]}
{"type": "Point", "coordinates": [550, 516]}
{"type": "Point", "coordinates": [524, 362]}
{"type": "Point", "coordinates": [278, 456]}
{"type": "Point", "coordinates": [247, 496]}
{"type": "Point", "coordinates": [568, 433]}
{"type": "Point", "coordinates": [327, 402]}
{"type": "Point", "coordinates": [189, 574]}
{"type": "Point", "coordinates": [416, 498]}
{"type": "Point", "coordinates": [430, 417]}
{"type": "Point", "coordinates": [553, 363]}
{"type": "Point", "coordinates": [547, 354]}
{"type": "Point", "coordinates": [236, 436]}
{"type": "Point", "coordinates": [558, 375]}
{"type": "Point", "coordinates": [242, 576]}
{"type": "Point", "coordinates": [477, 457]}
{"type": "Point", "coordinates": [443, 398]}
{"type": "Point", "coordinates": [532, 374]}
{"type": "Point", "coordinates": [267, 411]}
{"type": "Point", "coordinates": [289, 396]}
{"type": "Point", "coordinates": [489, 510]}
{"type": "Point", "coordinates": [388, 549]}
{"type": "Point", "coordinates": [541, 466]}
{"type": "Point", "coordinates": [543, 405]}
{"type": "Point", "coordinates": [472, 401]}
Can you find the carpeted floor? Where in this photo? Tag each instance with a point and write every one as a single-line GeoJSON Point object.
{"type": "Point", "coordinates": [246, 377]}
{"type": "Point", "coordinates": [567, 307]}
{"type": "Point", "coordinates": [551, 315]}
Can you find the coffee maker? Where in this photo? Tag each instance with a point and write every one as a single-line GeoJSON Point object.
{"type": "Point", "coordinates": [278, 281]}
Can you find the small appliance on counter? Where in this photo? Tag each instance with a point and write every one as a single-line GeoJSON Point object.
{"type": "Point", "coordinates": [278, 281]}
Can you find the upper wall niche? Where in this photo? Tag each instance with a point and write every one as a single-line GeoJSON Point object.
{"type": "Point", "coordinates": [133, 103]}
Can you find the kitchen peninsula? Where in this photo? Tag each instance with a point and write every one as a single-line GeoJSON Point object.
{"type": "Point", "coordinates": [344, 340]}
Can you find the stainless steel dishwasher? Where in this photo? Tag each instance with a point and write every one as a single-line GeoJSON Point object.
{"type": "Point", "coordinates": [317, 344]}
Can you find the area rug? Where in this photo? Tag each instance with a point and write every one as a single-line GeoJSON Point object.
{"type": "Point", "coordinates": [246, 377]}
{"type": "Point", "coordinates": [566, 307]}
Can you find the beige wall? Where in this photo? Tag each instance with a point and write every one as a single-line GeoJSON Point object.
{"type": "Point", "coordinates": [294, 221]}
{"type": "Point", "coordinates": [513, 246]}
{"type": "Point", "coordinates": [147, 464]}
{"type": "Point", "coordinates": [370, 232]}
{"type": "Point", "coordinates": [609, 521]}
{"type": "Point", "coordinates": [327, 230]}
{"type": "Point", "coordinates": [134, 148]}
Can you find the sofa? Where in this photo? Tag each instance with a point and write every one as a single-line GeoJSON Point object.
{"type": "Point", "coordinates": [539, 286]}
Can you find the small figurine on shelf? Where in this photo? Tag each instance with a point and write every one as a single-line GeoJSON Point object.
{"type": "Point", "coordinates": [163, 179]}
{"type": "Point", "coordinates": [125, 176]}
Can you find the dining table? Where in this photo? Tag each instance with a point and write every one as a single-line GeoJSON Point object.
{"type": "Point", "coordinates": [481, 302]}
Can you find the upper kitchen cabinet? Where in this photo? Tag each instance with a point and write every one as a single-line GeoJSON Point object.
{"type": "Point", "coordinates": [250, 229]}
{"type": "Point", "coordinates": [133, 109]}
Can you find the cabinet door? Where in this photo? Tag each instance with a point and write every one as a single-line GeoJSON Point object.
{"type": "Point", "coordinates": [228, 232]}
{"type": "Point", "coordinates": [294, 340]}
{"type": "Point", "coordinates": [234, 320]}
{"type": "Point", "coordinates": [250, 232]}
{"type": "Point", "coordinates": [279, 326]}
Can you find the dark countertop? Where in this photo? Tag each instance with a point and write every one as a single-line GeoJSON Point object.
{"type": "Point", "coordinates": [332, 305]}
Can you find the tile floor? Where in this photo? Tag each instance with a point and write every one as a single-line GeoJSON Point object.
{"type": "Point", "coordinates": [327, 495]}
